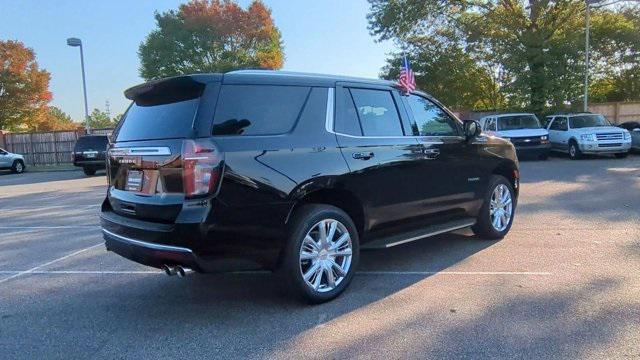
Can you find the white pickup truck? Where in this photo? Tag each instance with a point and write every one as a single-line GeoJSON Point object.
{"type": "Point", "coordinates": [586, 133]}
{"type": "Point", "coordinates": [523, 130]}
{"type": "Point", "coordinates": [14, 162]}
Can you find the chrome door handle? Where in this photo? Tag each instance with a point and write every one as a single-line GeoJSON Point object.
{"type": "Point", "coordinates": [363, 156]}
{"type": "Point", "coordinates": [431, 153]}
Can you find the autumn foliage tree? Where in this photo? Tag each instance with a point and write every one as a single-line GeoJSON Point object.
{"type": "Point", "coordinates": [24, 87]}
{"type": "Point", "coordinates": [211, 36]}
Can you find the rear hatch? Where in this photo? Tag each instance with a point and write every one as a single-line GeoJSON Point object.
{"type": "Point", "coordinates": [156, 160]}
{"type": "Point", "coordinates": [90, 148]}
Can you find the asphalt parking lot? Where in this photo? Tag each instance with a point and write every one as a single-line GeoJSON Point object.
{"type": "Point", "coordinates": [565, 283]}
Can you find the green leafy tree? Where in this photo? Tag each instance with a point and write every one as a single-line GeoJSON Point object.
{"type": "Point", "coordinates": [99, 119]}
{"type": "Point", "coordinates": [24, 87]}
{"type": "Point", "coordinates": [211, 36]}
{"type": "Point", "coordinates": [532, 50]}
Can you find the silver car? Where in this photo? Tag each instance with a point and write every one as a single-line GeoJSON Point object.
{"type": "Point", "coordinates": [14, 162]}
{"type": "Point", "coordinates": [634, 128]}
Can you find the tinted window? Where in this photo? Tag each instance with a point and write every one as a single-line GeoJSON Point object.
{"type": "Point", "coordinates": [490, 125]}
{"type": "Point", "coordinates": [583, 121]}
{"type": "Point", "coordinates": [377, 112]}
{"type": "Point", "coordinates": [518, 122]}
{"type": "Point", "coordinates": [430, 119]}
{"type": "Point", "coordinates": [347, 120]}
{"type": "Point", "coordinates": [92, 142]}
{"type": "Point", "coordinates": [159, 121]}
{"type": "Point", "coordinates": [258, 109]}
{"type": "Point", "coordinates": [560, 123]}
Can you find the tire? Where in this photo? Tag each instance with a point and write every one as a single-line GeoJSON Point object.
{"type": "Point", "coordinates": [89, 171]}
{"type": "Point", "coordinates": [307, 223]}
{"type": "Point", "coordinates": [544, 156]}
{"type": "Point", "coordinates": [485, 227]}
{"type": "Point", "coordinates": [574, 150]}
{"type": "Point", "coordinates": [17, 167]}
{"type": "Point", "coordinates": [622, 155]}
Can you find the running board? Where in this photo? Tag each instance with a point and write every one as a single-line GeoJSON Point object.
{"type": "Point", "coordinates": [432, 230]}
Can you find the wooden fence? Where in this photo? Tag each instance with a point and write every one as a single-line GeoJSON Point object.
{"type": "Point", "coordinates": [616, 112]}
{"type": "Point", "coordinates": [45, 148]}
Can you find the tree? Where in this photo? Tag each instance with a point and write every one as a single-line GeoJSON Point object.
{"type": "Point", "coordinates": [463, 84]}
{"type": "Point", "coordinates": [99, 119]}
{"type": "Point", "coordinates": [533, 50]}
{"type": "Point", "coordinates": [24, 87]}
{"type": "Point", "coordinates": [211, 36]}
{"type": "Point", "coordinates": [56, 119]}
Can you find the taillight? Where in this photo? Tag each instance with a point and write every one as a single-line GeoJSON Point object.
{"type": "Point", "coordinates": [201, 167]}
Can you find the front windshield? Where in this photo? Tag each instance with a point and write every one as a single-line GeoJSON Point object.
{"type": "Point", "coordinates": [583, 121]}
{"type": "Point", "coordinates": [517, 122]}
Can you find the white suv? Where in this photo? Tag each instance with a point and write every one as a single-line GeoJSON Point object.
{"type": "Point", "coordinates": [587, 133]}
{"type": "Point", "coordinates": [522, 129]}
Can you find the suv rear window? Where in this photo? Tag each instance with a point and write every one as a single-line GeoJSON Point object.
{"type": "Point", "coordinates": [92, 142]}
{"type": "Point", "coordinates": [158, 121]}
{"type": "Point", "coordinates": [258, 109]}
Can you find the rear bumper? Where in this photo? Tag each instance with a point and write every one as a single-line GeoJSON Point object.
{"type": "Point", "coordinates": [203, 247]}
{"type": "Point", "coordinates": [90, 163]}
{"type": "Point", "coordinates": [150, 254]}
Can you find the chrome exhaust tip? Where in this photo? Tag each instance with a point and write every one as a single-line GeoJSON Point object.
{"type": "Point", "coordinates": [169, 270]}
{"type": "Point", "coordinates": [180, 271]}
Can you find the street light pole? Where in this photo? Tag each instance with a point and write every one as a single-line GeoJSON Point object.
{"type": "Point", "coordinates": [586, 59]}
{"type": "Point", "coordinates": [75, 42]}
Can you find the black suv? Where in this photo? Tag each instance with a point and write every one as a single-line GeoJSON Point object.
{"type": "Point", "coordinates": [295, 173]}
{"type": "Point", "coordinates": [89, 153]}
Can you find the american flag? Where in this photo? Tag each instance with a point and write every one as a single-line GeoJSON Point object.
{"type": "Point", "coordinates": [407, 81]}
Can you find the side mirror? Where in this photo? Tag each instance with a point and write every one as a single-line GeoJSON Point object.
{"type": "Point", "coordinates": [471, 128]}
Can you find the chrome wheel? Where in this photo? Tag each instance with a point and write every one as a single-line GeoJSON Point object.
{"type": "Point", "coordinates": [501, 207]}
{"type": "Point", "coordinates": [325, 255]}
{"type": "Point", "coordinates": [572, 150]}
{"type": "Point", "coordinates": [19, 167]}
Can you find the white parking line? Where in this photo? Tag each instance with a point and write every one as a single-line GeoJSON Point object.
{"type": "Point", "coordinates": [49, 263]}
{"type": "Point", "coordinates": [50, 227]}
{"type": "Point", "coordinates": [537, 273]}
{"type": "Point", "coordinates": [48, 207]}
{"type": "Point", "coordinates": [92, 272]}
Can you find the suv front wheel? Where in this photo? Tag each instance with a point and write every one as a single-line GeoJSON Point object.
{"type": "Point", "coordinates": [574, 150]}
{"type": "Point", "coordinates": [321, 253]}
{"type": "Point", "coordinates": [496, 215]}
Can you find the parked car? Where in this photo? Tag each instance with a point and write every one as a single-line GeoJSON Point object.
{"type": "Point", "coordinates": [89, 153]}
{"type": "Point", "coordinates": [586, 133]}
{"type": "Point", "coordinates": [634, 129]}
{"type": "Point", "coordinates": [11, 161]}
{"type": "Point", "coordinates": [295, 173]}
{"type": "Point", "coordinates": [523, 130]}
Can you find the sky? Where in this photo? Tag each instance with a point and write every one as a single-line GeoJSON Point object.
{"type": "Point", "coordinates": [328, 36]}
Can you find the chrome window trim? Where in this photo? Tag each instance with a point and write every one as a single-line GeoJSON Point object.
{"type": "Point", "coordinates": [330, 118]}
{"type": "Point", "coordinates": [146, 244]}
{"type": "Point", "coordinates": [146, 150]}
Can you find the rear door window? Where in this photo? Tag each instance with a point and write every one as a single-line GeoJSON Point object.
{"type": "Point", "coordinates": [377, 112]}
{"type": "Point", "coordinates": [258, 109]}
{"type": "Point", "coordinates": [152, 121]}
{"type": "Point", "coordinates": [347, 120]}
